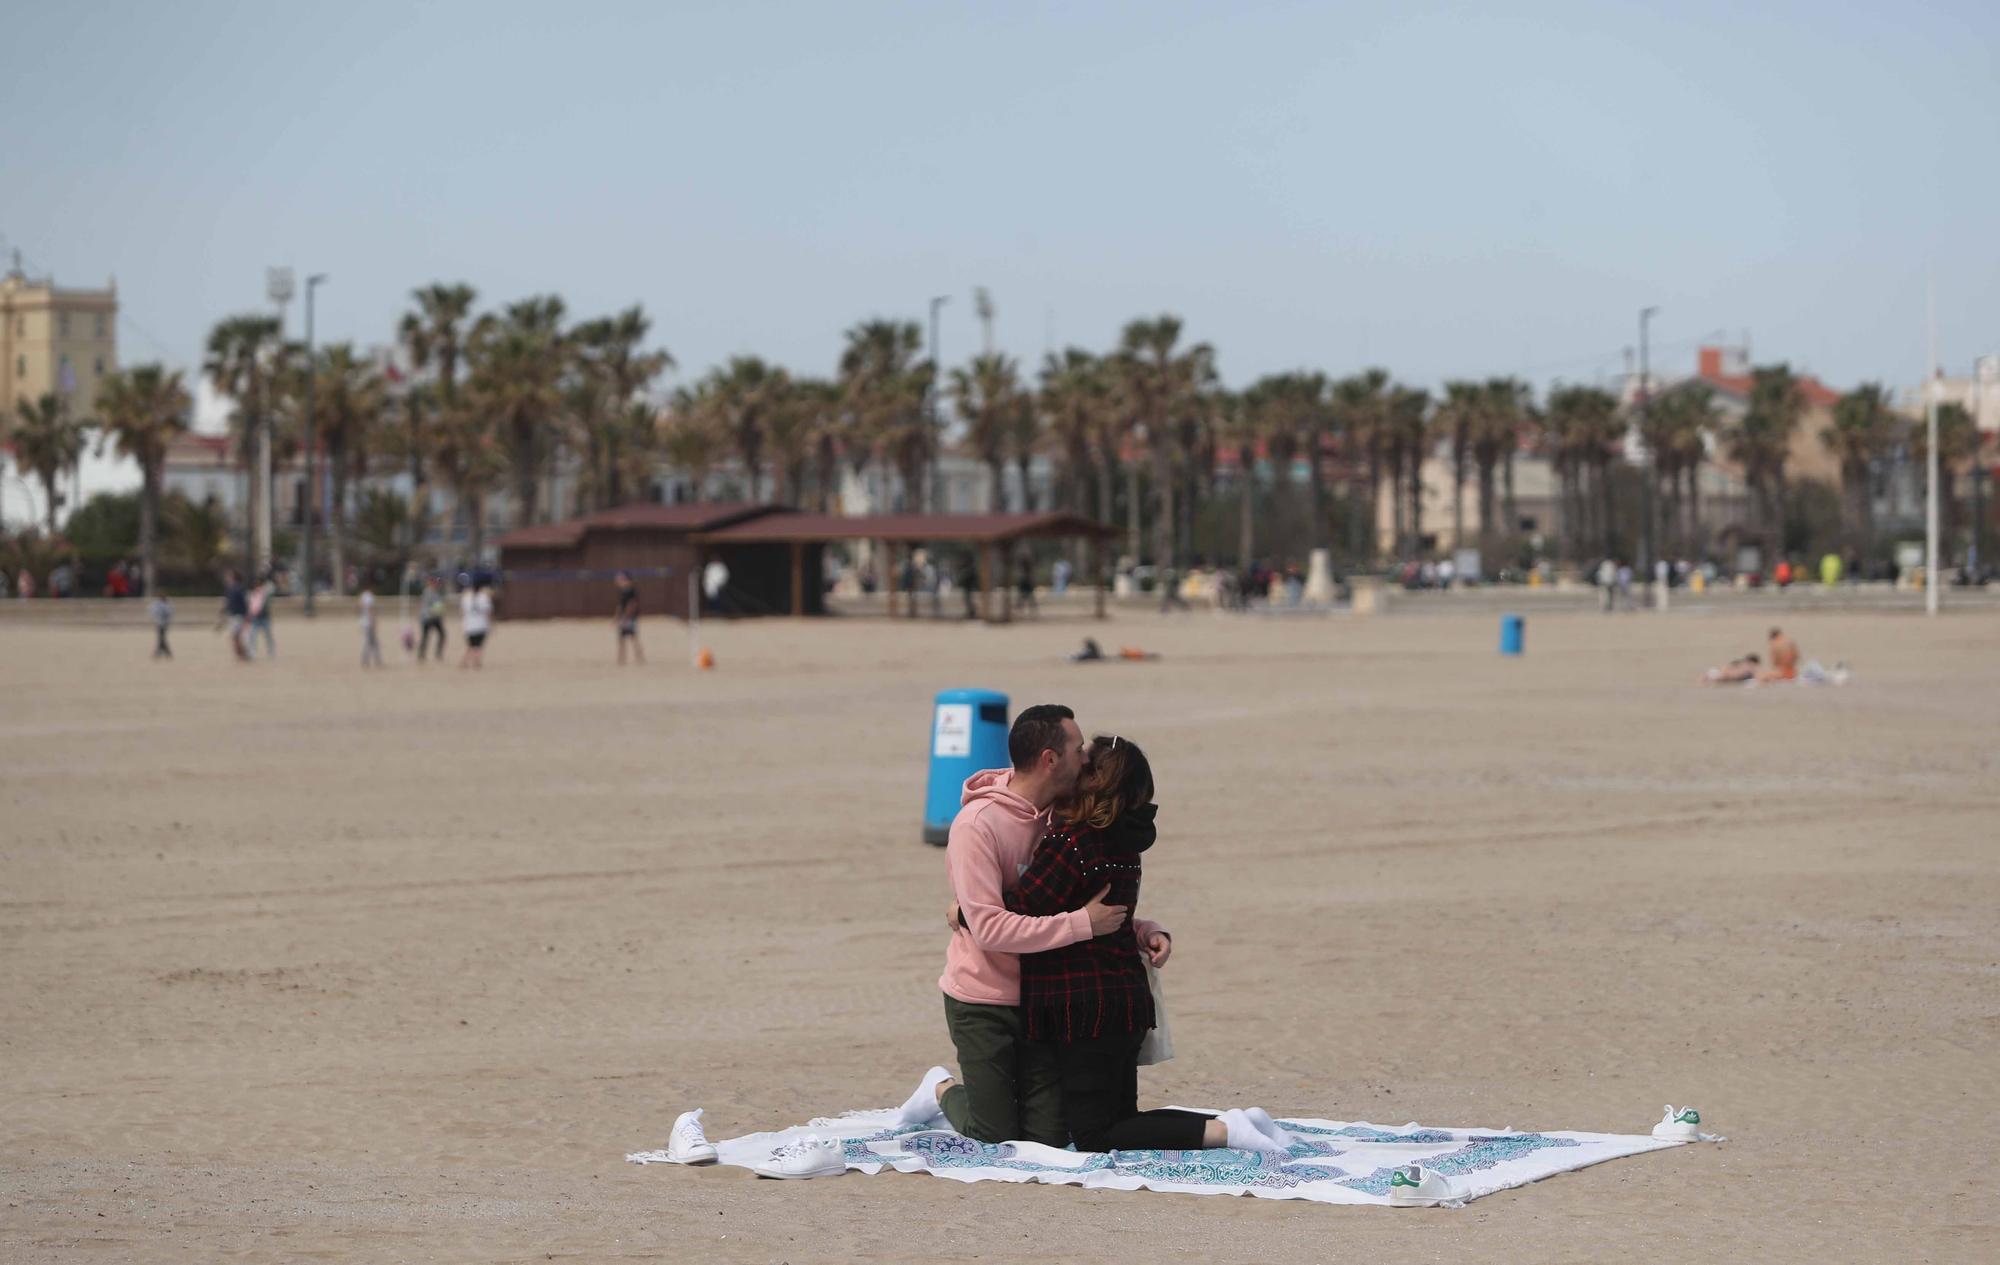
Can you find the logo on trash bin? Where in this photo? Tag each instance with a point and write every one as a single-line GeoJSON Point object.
{"type": "Point", "coordinates": [954, 730]}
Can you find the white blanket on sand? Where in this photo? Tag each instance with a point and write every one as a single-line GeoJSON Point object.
{"type": "Point", "coordinates": [1333, 1162]}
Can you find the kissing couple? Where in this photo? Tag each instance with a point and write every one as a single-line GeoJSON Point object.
{"type": "Point", "coordinates": [1047, 991]}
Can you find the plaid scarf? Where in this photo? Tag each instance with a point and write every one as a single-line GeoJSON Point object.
{"type": "Point", "coordinates": [1094, 988]}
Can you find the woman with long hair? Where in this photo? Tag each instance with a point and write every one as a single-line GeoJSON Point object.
{"type": "Point", "coordinates": [1092, 1002]}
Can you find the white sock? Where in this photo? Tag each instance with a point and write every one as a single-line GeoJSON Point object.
{"type": "Point", "coordinates": [922, 1106]}
{"type": "Point", "coordinates": [1269, 1127]}
{"type": "Point", "coordinates": [1244, 1135]}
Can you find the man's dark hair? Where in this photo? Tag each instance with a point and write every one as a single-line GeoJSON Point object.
{"type": "Point", "coordinates": [1037, 729]}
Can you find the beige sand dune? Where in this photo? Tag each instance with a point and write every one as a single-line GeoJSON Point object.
{"type": "Point", "coordinates": [305, 963]}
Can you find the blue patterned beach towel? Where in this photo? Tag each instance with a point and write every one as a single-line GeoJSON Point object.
{"type": "Point", "coordinates": [1333, 1162]}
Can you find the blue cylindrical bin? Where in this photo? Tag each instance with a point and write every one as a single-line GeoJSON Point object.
{"type": "Point", "coordinates": [968, 733]}
{"type": "Point", "coordinates": [1512, 632]}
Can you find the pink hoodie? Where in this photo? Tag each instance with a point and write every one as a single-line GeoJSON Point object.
{"type": "Point", "coordinates": [991, 840]}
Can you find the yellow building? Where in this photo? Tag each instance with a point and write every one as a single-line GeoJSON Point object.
{"type": "Point", "coordinates": [53, 341]}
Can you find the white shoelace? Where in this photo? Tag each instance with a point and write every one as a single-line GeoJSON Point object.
{"type": "Point", "coordinates": [802, 1147]}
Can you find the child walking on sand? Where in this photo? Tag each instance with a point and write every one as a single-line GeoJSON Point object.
{"type": "Point", "coordinates": [163, 615]}
{"type": "Point", "coordinates": [371, 649]}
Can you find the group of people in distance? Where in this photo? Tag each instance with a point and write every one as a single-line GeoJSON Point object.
{"type": "Point", "coordinates": [1784, 665]}
{"type": "Point", "coordinates": [1048, 986]}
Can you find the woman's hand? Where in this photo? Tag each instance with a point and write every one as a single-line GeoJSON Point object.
{"type": "Point", "coordinates": [951, 917]}
{"type": "Point", "coordinates": [1160, 947]}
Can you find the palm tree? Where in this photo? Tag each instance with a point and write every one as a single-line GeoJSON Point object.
{"type": "Point", "coordinates": [1164, 384]}
{"type": "Point", "coordinates": [239, 364]}
{"type": "Point", "coordinates": [611, 373]}
{"type": "Point", "coordinates": [143, 409]}
{"type": "Point", "coordinates": [1584, 431]}
{"type": "Point", "coordinates": [1686, 416]}
{"type": "Point", "coordinates": [434, 335]}
{"type": "Point", "coordinates": [1360, 407]}
{"type": "Point", "coordinates": [748, 390]}
{"type": "Point", "coordinates": [1409, 414]}
{"type": "Point", "coordinates": [1073, 399]}
{"type": "Point", "coordinates": [465, 449]}
{"type": "Point", "coordinates": [985, 393]}
{"type": "Point", "coordinates": [1025, 426]}
{"type": "Point", "coordinates": [798, 408]}
{"type": "Point", "coordinates": [516, 361]}
{"type": "Point", "coordinates": [1503, 407]}
{"type": "Point", "coordinates": [1958, 447]}
{"type": "Point", "coordinates": [693, 434]}
{"type": "Point", "coordinates": [1461, 416]}
{"type": "Point", "coordinates": [1760, 440]}
{"type": "Point", "coordinates": [46, 441]}
{"type": "Point", "coordinates": [885, 389]}
{"type": "Point", "coordinates": [1245, 421]}
{"type": "Point", "coordinates": [347, 408]}
{"type": "Point", "coordinates": [1862, 428]}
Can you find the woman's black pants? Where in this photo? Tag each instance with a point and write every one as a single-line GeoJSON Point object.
{"type": "Point", "coordinates": [1100, 1097]}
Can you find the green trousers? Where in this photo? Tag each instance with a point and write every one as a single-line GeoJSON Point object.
{"type": "Point", "coordinates": [1008, 1089]}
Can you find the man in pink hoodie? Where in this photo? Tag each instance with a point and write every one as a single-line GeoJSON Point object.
{"type": "Point", "coordinates": [1009, 1088]}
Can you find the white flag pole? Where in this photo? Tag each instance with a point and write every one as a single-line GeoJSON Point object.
{"type": "Point", "coordinates": [694, 617]}
{"type": "Point", "coordinates": [1931, 452]}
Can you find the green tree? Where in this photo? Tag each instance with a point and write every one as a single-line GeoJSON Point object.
{"type": "Point", "coordinates": [1863, 427]}
{"type": "Point", "coordinates": [1461, 418]}
{"type": "Point", "coordinates": [434, 335]}
{"type": "Point", "coordinates": [885, 389]}
{"type": "Point", "coordinates": [241, 363]}
{"type": "Point", "coordinates": [1760, 441]}
{"type": "Point", "coordinates": [1164, 381]}
{"type": "Point", "coordinates": [694, 434]}
{"type": "Point", "coordinates": [1958, 446]}
{"type": "Point", "coordinates": [516, 361]}
{"type": "Point", "coordinates": [611, 374]}
{"type": "Point", "coordinates": [987, 392]}
{"type": "Point", "coordinates": [348, 403]}
{"type": "Point", "coordinates": [46, 441]}
{"type": "Point", "coordinates": [1074, 400]}
{"type": "Point", "coordinates": [142, 410]}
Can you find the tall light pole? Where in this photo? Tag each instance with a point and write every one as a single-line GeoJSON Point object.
{"type": "Point", "coordinates": [278, 288]}
{"type": "Point", "coordinates": [1646, 315]}
{"type": "Point", "coordinates": [932, 494]}
{"type": "Point", "coordinates": [1931, 461]}
{"type": "Point", "coordinates": [312, 483]}
{"type": "Point", "coordinates": [1984, 369]}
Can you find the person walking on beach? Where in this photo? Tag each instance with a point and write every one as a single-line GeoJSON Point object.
{"type": "Point", "coordinates": [430, 609]}
{"type": "Point", "coordinates": [475, 611]}
{"type": "Point", "coordinates": [371, 649]}
{"type": "Point", "coordinates": [626, 618]}
{"type": "Point", "coordinates": [260, 618]}
{"type": "Point", "coordinates": [235, 614]}
{"type": "Point", "coordinates": [162, 612]}
{"type": "Point", "coordinates": [1008, 1089]}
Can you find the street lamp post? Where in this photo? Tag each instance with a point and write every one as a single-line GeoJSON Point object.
{"type": "Point", "coordinates": [933, 494]}
{"type": "Point", "coordinates": [312, 484]}
{"type": "Point", "coordinates": [1652, 459]}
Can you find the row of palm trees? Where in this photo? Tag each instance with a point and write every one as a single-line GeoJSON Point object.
{"type": "Point", "coordinates": [507, 398]}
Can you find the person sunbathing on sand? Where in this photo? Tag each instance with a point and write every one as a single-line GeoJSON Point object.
{"type": "Point", "coordinates": [1735, 672]}
{"type": "Point", "coordinates": [1784, 659]}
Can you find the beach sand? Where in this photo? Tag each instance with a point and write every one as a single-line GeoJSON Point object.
{"type": "Point", "coordinates": [303, 962]}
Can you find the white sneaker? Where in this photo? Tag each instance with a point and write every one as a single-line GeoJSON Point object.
{"type": "Point", "coordinates": [1415, 1186]}
{"type": "Point", "coordinates": [1679, 1126]}
{"type": "Point", "coordinates": [689, 1145]}
{"type": "Point", "coordinates": [810, 1156]}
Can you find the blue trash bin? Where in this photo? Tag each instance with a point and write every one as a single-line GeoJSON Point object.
{"type": "Point", "coordinates": [1513, 631]}
{"type": "Point", "coordinates": [968, 733]}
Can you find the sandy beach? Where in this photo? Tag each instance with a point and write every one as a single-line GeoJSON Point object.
{"type": "Point", "coordinates": [307, 963]}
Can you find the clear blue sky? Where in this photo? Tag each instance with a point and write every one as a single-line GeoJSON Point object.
{"type": "Point", "coordinates": [1444, 191]}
